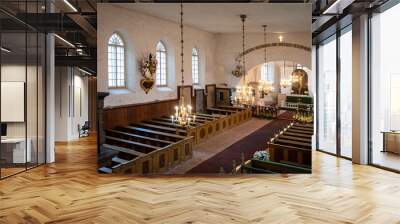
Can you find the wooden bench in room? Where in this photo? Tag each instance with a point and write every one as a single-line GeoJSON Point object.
{"type": "Point", "coordinates": [289, 152]}
{"type": "Point", "coordinates": [157, 144]}
{"type": "Point", "coordinates": [142, 151]}
{"type": "Point", "coordinates": [259, 166]}
{"type": "Point", "coordinates": [292, 145]}
{"type": "Point", "coordinates": [236, 115]}
{"type": "Point", "coordinates": [244, 114]}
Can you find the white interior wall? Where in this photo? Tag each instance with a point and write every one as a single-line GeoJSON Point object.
{"type": "Point", "coordinates": [229, 47]}
{"type": "Point", "coordinates": [70, 83]}
{"type": "Point", "coordinates": [254, 75]}
{"type": "Point", "coordinates": [32, 127]}
{"type": "Point", "coordinates": [141, 33]}
{"type": "Point", "coordinates": [16, 73]}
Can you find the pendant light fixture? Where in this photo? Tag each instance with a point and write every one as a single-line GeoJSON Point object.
{"type": "Point", "coordinates": [183, 114]}
{"type": "Point", "coordinates": [264, 86]}
{"type": "Point", "coordinates": [244, 94]}
{"type": "Point", "coordinates": [284, 81]}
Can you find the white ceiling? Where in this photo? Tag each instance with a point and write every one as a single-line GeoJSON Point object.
{"type": "Point", "coordinates": [224, 17]}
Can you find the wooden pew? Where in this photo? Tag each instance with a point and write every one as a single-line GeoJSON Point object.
{"type": "Point", "coordinates": [294, 143]}
{"type": "Point", "coordinates": [259, 166]}
{"type": "Point", "coordinates": [302, 128]}
{"type": "Point", "coordinates": [300, 139]}
{"type": "Point", "coordinates": [220, 111]}
{"type": "Point", "coordinates": [136, 146]}
{"type": "Point", "coordinates": [310, 126]}
{"type": "Point", "coordinates": [139, 138]}
{"type": "Point", "coordinates": [288, 153]}
{"type": "Point", "coordinates": [295, 134]}
{"type": "Point", "coordinates": [144, 151]}
{"type": "Point", "coordinates": [162, 128]}
{"type": "Point", "coordinates": [156, 134]}
{"type": "Point", "coordinates": [241, 114]}
{"type": "Point", "coordinates": [163, 143]}
{"type": "Point", "coordinates": [214, 116]}
{"type": "Point", "coordinates": [293, 130]}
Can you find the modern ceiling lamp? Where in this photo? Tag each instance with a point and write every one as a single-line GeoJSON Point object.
{"type": "Point", "coordinates": [183, 113]}
{"type": "Point", "coordinates": [244, 94]}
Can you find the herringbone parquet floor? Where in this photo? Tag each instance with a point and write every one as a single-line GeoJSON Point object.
{"type": "Point", "coordinates": [71, 191]}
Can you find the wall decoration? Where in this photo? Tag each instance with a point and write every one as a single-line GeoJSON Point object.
{"type": "Point", "coordinates": [148, 69]}
{"type": "Point", "coordinates": [299, 82]}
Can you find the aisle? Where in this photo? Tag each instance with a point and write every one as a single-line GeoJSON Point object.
{"type": "Point", "coordinates": [248, 145]}
{"type": "Point", "coordinates": [217, 144]}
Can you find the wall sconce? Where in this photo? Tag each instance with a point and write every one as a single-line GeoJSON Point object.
{"type": "Point", "coordinates": [280, 38]}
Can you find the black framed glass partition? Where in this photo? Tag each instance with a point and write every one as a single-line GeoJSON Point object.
{"type": "Point", "coordinates": [385, 88]}
{"type": "Point", "coordinates": [346, 95]}
{"type": "Point", "coordinates": [22, 77]}
{"type": "Point", "coordinates": [326, 51]}
{"type": "Point", "coordinates": [334, 115]}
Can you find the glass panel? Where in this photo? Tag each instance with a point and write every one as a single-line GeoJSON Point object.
{"type": "Point", "coordinates": [31, 99]}
{"type": "Point", "coordinates": [327, 96]}
{"type": "Point", "coordinates": [41, 100]}
{"type": "Point", "coordinates": [13, 87]}
{"type": "Point", "coordinates": [346, 94]}
{"type": "Point", "coordinates": [385, 84]}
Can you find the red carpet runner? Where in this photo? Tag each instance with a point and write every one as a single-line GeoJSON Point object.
{"type": "Point", "coordinates": [248, 145]}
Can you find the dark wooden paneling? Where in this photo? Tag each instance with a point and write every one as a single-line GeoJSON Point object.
{"type": "Point", "coordinates": [92, 86]}
{"type": "Point", "coordinates": [210, 90]}
{"type": "Point", "coordinates": [127, 114]}
{"type": "Point", "coordinates": [200, 100]}
{"type": "Point", "coordinates": [223, 97]}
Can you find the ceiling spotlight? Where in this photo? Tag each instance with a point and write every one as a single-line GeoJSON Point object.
{"type": "Point", "coordinates": [5, 50]}
{"type": "Point", "coordinates": [70, 5]}
{"type": "Point", "coordinates": [280, 38]}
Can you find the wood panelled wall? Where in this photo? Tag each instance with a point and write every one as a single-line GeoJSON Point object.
{"type": "Point", "coordinates": [92, 96]}
{"type": "Point", "coordinates": [210, 90]}
{"type": "Point", "coordinates": [128, 114]}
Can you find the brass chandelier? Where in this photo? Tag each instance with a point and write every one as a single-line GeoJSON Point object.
{"type": "Point", "coordinates": [183, 114]}
{"type": "Point", "coordinates": [244, 94]}
{"type": "Point", "coordinates": [285, 82]}
{"type": "Point", "coordinates": [265, 87]}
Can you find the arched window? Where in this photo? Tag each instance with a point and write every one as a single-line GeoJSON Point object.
{"type": "Point", "coordinates": [116, 62]}
{"type": "Point", "coordinates": [267, 72]}
{"type": "Point", "coordinates": [161, 75]}
{"type": "Point", "coordinates": [195, 66]}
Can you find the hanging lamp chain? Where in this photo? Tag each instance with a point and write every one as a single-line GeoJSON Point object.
{"type": "Point", "coordinates": [181, 26]}
{"type": "Point", "coordinates": [243, 17]}
{"type": "Point", "coordinates": [265, 48]}
{"type": "Point", "coordinates": [265, 43]}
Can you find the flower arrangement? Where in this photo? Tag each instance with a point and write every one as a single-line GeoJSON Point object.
{"type": "Point", "coordinates": [148, 69]}
{"type": "Point", "coordinates": [261, 155]}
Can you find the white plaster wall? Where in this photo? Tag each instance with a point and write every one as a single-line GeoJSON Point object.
{"type": "Point", "coordinates": [230, 46]}
{"type": "Point", "coordinates": [141, 33]}
{"type": "Point", "coordinates": [34, 124]}
{"type": "Point", "coordinates": [66, 121]}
